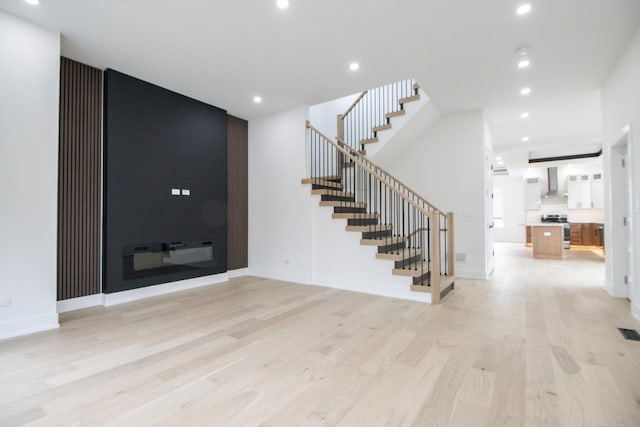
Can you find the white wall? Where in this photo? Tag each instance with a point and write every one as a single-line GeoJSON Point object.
{"type": "Point", "coordinates": [512, 188]}
{"type": "Point", "coordinates": [621, 107]}
{"type": "Point", "coordinates": [324, 117]}
{"type": "Point", "coordinates": [279, 205]}
{"type": "Point", "coordinates": [29, 87]}
{"type": "Point", "coordinates": [446, 166]}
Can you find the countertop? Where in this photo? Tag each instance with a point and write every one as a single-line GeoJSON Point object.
{"type": "Point", "coordinates": [544, 224]}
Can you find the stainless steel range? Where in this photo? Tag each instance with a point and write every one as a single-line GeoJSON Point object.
{"type": "Point", "coordinates": [560, 219]}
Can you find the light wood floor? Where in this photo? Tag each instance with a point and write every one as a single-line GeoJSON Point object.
{"type": "Point", "coordinates": [536, 345]}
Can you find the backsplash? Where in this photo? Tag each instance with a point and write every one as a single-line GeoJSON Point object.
{"type": "Point", "coordinates": [573, 215]}
{"type": "Point", "coordinates": [586, 215]}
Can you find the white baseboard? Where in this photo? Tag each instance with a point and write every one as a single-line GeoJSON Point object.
{"type": "Point", "coordinates": [399, 293]}
{"type": "Point", "coordinates": [162, 289]}
{"type": "Point", "coordinates": [279, 275]}
{"type": "Point", "coordinates": [238, 273]}
{"type": "Point", "coordinates": [463, 273]}
{"type": "Point", "coordinates": [80, 303]}
{"type": "Point", "coordinates": [29, 325]}
{"type": "Point", "coordinates": [635, 311]}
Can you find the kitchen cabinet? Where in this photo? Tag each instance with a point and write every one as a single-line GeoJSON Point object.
{"type": "Point", "coordinates": [528, 234]}
{"type": "Point", "coordinates": [579, 189]}
{"type": "Point", "coordinates": [597, 191]}
{"type": "Point", "coordinates": [532, 193]}
{"type": "Point", "coordinates": [587, 234]}
{"type": "Point", "coordinates": [576, 234]}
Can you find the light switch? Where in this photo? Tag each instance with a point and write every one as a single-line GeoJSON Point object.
{"type": "Point", "coordinates": [186, 192]}
{"type": "Point", "coordinates": [547, 234]}
{"type": "Point", "coordinates": [175, 191]}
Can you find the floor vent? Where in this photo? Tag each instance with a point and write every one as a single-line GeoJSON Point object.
{"type": "Point", "coordinates": [630, 334]}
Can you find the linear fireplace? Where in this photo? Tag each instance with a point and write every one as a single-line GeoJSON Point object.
{"type": "Point", "coordinates": [152, 259]}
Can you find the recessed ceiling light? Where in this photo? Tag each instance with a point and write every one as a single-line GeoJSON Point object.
{"type": "Point", "coordinates": [257, 99]}
{"type": "Point", "coordinates": [354, 66]}
{"type": "Point", "coordinates": [523, 9]}
{"type": "Point", "coordinates": [33, 2]}
{"type": "Point", "coordinates": [524, 63]}
{"type": "Point", "coordinates": [498, 158]}
{"type": "Point", "coordinates": [525, 138]}
{"type": "Point", "coordinates": [501, 163]}
{"type": "Point", "coordinates": [524, 115]}
{"type": "Point", "coordinates": [282, 4]}
{"type": "Point", "coordinates": [525, 91]}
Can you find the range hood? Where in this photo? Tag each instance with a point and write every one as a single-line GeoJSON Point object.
{"type": "Point", "coordinates": [552, 175]}
{"type": "Point", "coordinates": [552, 179]}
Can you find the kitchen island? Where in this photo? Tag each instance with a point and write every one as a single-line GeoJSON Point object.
{"type": "Point", "coordinates": [546, 240]}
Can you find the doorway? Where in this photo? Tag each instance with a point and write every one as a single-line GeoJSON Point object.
{"type": "Point", "coordinates": [620, 250]}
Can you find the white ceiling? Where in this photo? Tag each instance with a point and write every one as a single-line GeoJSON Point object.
{"type": "Point", "coordinates": [461, 51]}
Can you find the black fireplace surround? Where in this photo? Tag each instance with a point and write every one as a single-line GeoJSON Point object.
{"type": "Point", "coordinates": [165, 185]}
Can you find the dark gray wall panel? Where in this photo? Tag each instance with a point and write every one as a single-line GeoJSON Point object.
{"type": "Point", "coordinates": [156, 140]}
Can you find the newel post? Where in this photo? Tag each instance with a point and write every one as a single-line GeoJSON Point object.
{"type": "Point", "coordinates": [340, 159]}
{"type": "Point", "coordinates": [434, 256]}
{"type": "Point", "coordinates": [451, 255]}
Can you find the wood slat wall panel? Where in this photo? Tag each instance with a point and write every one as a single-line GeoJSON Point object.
{"type": "Point", "coordinates": [79, 180]}
{"type": "Point", "coordinates": [238, 193]}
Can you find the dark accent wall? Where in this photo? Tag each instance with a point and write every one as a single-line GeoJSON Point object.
{"type": "Point", "coordinates": [156, 140]}
{"type": "Point", "coordinates": [238, 193]}
{"type": "Point", "coordinates": [79, 176]}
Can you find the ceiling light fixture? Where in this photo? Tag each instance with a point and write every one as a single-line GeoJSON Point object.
{"type": "Point", "coordinates": [257, 99]}
{"type": "Point", "coordinates": [524, 63]}
{"type": "Point", "coordinates": [498, 158]}
{"type": "Point", "coordinates": [525, 138]}
{"type": "Point", "coordinates": [524, 115]}
{"type": "Point", "coordinates": [354, 66]}
{"type": "Point", "coordinates": [282, 4]}
{"type": "Point", "coordinates": [525, 91]}
{"type": "Point", "coordinates": [500, 163]}
{"type": "Point", "coordinates": [523, 9]}
{"type": "Point", "coordinates": [33, 2]}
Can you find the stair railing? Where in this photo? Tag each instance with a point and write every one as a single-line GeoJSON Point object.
{"type": "Point", "coordinates": [371, 112]}
{"type": "Point", "coordinates": [406, 227]}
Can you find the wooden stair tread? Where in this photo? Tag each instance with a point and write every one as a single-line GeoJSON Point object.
{"type": "Point", "coordinates": [355, 215]}
{"type": "Point", "coordinates": [320, 178]}
{"type": "Point", "coordinates": [383, 127]}
{"type": "Point", "coordinates": [315, 181]}
{"type": "Point", "coordinates": [383, 242]}
{"type": "Point", "coordinates": [409, 99]}
{"type": "Point", "coordinates": [405, 254]}
{"type": "Point", "coordinates": [416, 269]}
{"type": "Point", "coordinates": [329, 192]}
{"type": "Point", "coordinates": [395, 114]}
{"type": "Point", "coordinates": [339, 203]}
{"type": "Point", "coordinates": [369, 141]}
{"type": "Point", "coordinates": [369, 228]}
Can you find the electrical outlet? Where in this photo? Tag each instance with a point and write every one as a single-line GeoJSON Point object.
{"type": "Point", "coordinates": [5, 301]}
{"type": "Point", "coordinates": [461, 256]}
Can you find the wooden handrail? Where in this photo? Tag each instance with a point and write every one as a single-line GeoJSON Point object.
{"type": "Point", "coordinates": [372, 172]}
{"type": "Point", "coordinates": [422, 199]}
{"type": "Point", "coordinates": [354, 103]}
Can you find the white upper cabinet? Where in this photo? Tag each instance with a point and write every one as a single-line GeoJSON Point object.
{"type": "Point", "coordinates": [532, 193]}
{"type": "Point", "coordinates": [586, 191]}
{"type": "Point", "coordinates": [597, 191]}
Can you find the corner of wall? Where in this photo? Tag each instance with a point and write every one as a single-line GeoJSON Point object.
{"type": "Point", "coordinates": [28, 325]}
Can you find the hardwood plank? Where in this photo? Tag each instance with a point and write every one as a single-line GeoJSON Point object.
{"type": "Point", "coordinates": [523, 348]}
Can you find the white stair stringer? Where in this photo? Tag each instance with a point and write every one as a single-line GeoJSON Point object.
{"type": "Point", "coordinates": [340, 261]}
{"type": "Point", "coordinates": [405, 130]}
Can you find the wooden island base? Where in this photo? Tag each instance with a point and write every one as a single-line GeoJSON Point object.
{"type": "Point", "coordinates": [547, 242]}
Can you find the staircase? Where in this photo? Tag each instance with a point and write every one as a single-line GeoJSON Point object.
{"type": "Point", "coordinates": [403, 227]}
{"type": "Point", "coordinates": [372, 112]}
